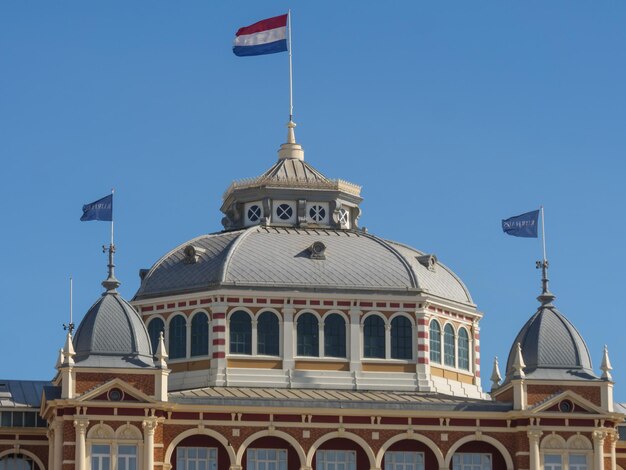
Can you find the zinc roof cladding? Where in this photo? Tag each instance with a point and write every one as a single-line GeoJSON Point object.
{"type": "Point", "coordinates": [274, 257]}
{"type": "Point", "coordinates": [112, 334]}
{"type": "Point", "coordinates": [293, 169]}
{"type": "Point", "coordinates": [552, 348]}
{"type": "Point", "coordinates": [345, 399]}
{"type": "Point", "coordinates": [21, 393]}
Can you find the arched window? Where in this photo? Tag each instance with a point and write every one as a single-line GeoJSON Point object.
{"type": "Point", "coordinates": [268, 334]}
{"type": "Point", "coordinates": [463, 349]}
{"type": "Point", "coordinates": [240, 333]}
{"type": "Point", "coordinates": [308, 335]}
{"type": "Point", "coordinates": [401, 338]}
{"type": "Point", "coordinates": [448, 346]}
{"type": "Point", "coordinates": [178, 337]}
{"type": "Point", "coordinates": [374, 337]}
{"type": "Point", "coordinates": [200, 334]}
{"type": "Point", "coordinates": [435, 342]}
{"type": "Point", "coordinates": [155, 327]}
{"type": "Point", "coordinates": [334, 336]}
{"type": "Point", "coordinates": [16, 462]}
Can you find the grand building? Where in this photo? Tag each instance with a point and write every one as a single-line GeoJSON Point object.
{"type": "Point", "coordinates": [294, 340]}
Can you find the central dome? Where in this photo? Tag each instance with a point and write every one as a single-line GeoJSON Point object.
{"type": "Point", "coordinates": [273, 257]}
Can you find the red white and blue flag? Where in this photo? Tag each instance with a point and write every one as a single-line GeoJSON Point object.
{"type": "Point", "coordinates": [265, 37]}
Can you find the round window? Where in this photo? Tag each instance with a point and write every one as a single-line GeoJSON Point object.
{"type": "Point", "coordinates": [566, 406]}
{"type": "Point", "coordinates": [115, 394]}
{"type": "Point", "coordinates": [254, 213]}
{"type": "Point", "coordinates": [317, 213]}
{"type": "Point", "coordinates": [284, 212]}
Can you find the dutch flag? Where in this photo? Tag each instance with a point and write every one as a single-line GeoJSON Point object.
{"type": "Point", "coordinates": [265, 37]}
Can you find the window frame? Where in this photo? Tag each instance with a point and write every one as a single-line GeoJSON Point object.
{"type": "Point", "coordinates": [321, 462]}
{"type": "Point", "coordinates": [313, 334]}
{"type": "Point", "coordinates": [173, 352]}
{"type": "Point", "coordinates": [282, 457]}
{"type": "Point", "coordinates": [449, 341]}
{"type": "Point", "coordinates": [404, 465]}
{"type": "Point", "coordinates": [407, 339]}
{"type": "Point", "coordinates": [367, 348]}
{"type": "Point", "coordinates": [193, 335]}
{"type": "Point", "coordinates": [332, 340]}
{"type": "Point", "coordinates": [271, 333]}
{"type": "Point", "coordinates": [211, 463]}
{"type": "Point", "coordinates": [463, 334]}
{"type": "Point", "coordinates": [472, 466]}
{"type": "Point", "coordinates": [435, 352]}
{"type": "Point", "coordinates": [246, 341]}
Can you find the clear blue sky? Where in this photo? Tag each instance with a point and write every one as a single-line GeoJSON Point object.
{"type": "Point", "coordinates": [452, 115]}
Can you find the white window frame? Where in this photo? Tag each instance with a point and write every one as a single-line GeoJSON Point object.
{"type": "Point", "coordinates": [323, 459]}
{"type": "Point", "coordinates": [103, 434]}
{"type": "Point", "coordinates": [210, 460]}
{"type": "Point", "coordinates": [323, 205]}
{"type": "Point", "coordinates": [294, 212]}
{"type": "Point", "coordinates": [391, 462]}
{"type": "Point", "coordinates": [456, 465]}
{"type": "Point", "coordinates": [280, 460]}
{"type": "Point", "coordinates": [247, 206]}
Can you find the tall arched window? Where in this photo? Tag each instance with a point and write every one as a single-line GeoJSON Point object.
{"type": "Point", "coordinates": [435, 342]}
{"type": "Point", "coordinates": [200, 334]}
{"type": "Point", "coordinates": [463, 349]}
{"type": "Point", "coordinates": [155, 327]}
{"type": "Point", "coordinates": [448, 346]}
{"type": "Point", "coordinates": [308, 335]}
{"type": "Point", "coordinates": [178, 337]}
{"type": "Point", "coordinates": [268, 334]}
{"type": "Point", "coordinates": [401, 338]}
{"type": "Point", "coordinates": [374, 337]}
{"type": "Point", "coordinates": [334, 336]}
{"type": "Point", "coordinates": [17, 462]}
{"type": "Point", "coordinates": [240, 333]}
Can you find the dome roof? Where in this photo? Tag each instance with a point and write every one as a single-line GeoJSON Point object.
{"type": "Point", "coordinates": [551, 346]}
{"type": "Point", "coordinates": [112, 334]}
{"type": "Point", "coordinates": [280, 258]}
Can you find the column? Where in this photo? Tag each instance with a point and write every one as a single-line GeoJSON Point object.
{"type": "Point", "coordinates": [288, 361]}
{"type": "Point", "coordinates": [355, 339]}
{"type": "Point", "coordinates": [613, 437]}
{"type": "Point", "coordinates": [58, 444]}
{"type": "Point", "coordinates": [187, 336]}
{"type": "Point", "coordinates": [254, 337]}
{"type": "Point", "coordinates": [598, 450]}
{"type": "Point", "coordinates": [320, 337]}
{"type": "Point", "coordinates": [533, 445]}
{"type": "Point", "coordinates": [80, 455]}
{"type": "Point", "coordinates": [50, 435]}
{"type": "Point", "coordinates": [387, 339]}
{"type": "Point", "coordinates": [149, 426]}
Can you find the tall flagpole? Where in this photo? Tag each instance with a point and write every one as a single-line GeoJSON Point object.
{"type": "Point", "coordinates": [70, 326]}
{"type": "Point", "coordinates": [543, 234]}
{"type": "Point", "coordinates": [112, 191]}
{"type": "Point", "coordinates": [290, 68]}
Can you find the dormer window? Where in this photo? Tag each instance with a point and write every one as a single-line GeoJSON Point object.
{"type": "Point", "coordinates": [317, 212]}
{"type": "Point", "coordinates": [253, 213]}
{"type": "Point", "coordinates": [284, 212]}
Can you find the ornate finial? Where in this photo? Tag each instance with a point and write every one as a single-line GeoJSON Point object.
{"type": "Point", "coordinates": [291, 149]}
{"type": "Point", "coordinates": [546, 296]}
{"type": "Point", "coordinates": [495, 374]}
{"type": "Point", "coordinates": [161, 353]}
{"type": "Point", "coordinates": [68, 351]}
{"type": "Point", "coordinates": [518, 363]}
{"type": "Point", "coordinates": [605, 367]}
{"type": "Point", "coordinates": [110, 283]}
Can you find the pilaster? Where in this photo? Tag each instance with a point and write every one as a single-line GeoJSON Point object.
{"type": "Point", "coordinates": [288, 327]}
{"type": "Point", "coordinates": [218, 358]}
{"type": "Point", "coordinates": [80, 455]}
{"type": "Point", "coordinates": [149, 426]}
{"type": "Point", "coordinates": [598, 449]}
{"type": "Point", "coordinates": [533, 444]}
{"type": "Point", "coordinates": [355, 339]}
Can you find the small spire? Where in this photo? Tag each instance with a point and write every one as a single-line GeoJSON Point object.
{"type": "Point", "coordinates": [161, 353]}
{"type": "Point", "coordinates": [546, 296]}
{"type": "Point", "coordinates": [110, 283]}
{"type": "Point", "coordinates": [495, 374]}
{"type": "Point", "coordinates": [60, 360]}
{"type": "Point", "coordinates": [605, 367]}
{"type": "Point", "coordinates": [518, 363]}
{"type": "Point", "coordinates": [68, 351]}
{"type": "Point", "coordinates": [290, 149]}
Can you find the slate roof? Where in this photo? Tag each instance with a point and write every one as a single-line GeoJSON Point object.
{"type": "Point", "coordinates": [552, 348]}
{"type": "Point", "coordinates": [277, 258]}
{"type": "Point", "coordinates": [21, 393]}
{"type": "Point", "coordinates": [112, 334]}
{"type": "Point", "coordinates": [344, 399]}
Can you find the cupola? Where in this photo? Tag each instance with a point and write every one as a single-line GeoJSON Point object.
{"type": "Point", "coordinates": [291, 194]}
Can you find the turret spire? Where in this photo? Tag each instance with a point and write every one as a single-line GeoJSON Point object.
{"type": "Point", "coordinates": [110, 283]}
{"type": "Point", "coordinates": [546, 296]}
{"type": "Point", "coordinates": [161, 353]}
{"type": "Point", "coordinates": [68, 351]}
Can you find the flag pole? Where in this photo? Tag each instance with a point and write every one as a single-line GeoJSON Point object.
{"type": "Point", "coordinates": [290, 68]}
{"type": "Point", "coordinates": [70, 326]}
{"type": "Point", "coordinates": [543, 234]}
{"type": "Point", "coordinates": [112, 191]}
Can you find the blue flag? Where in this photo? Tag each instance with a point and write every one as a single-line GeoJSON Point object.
{"type": "Point", "coordinates": [102, 209]}
{"type": "Point", "coordinates": [524, 225]}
